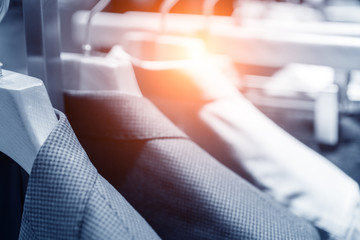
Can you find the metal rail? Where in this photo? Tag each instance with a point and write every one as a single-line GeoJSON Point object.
{"type": "Point", "coordinates": [42, 32]}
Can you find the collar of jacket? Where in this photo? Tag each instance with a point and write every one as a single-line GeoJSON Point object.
{"type": "Point", "coordinates": [118, 116]}
{"type": "Point", "coordinates": [60, 184]}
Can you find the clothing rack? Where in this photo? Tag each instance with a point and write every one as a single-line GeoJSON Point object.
{"type": "Point", "coordinates": [42, 33]}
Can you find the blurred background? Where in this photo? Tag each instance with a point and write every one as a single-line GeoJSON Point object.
{"type": "Point", "coordinates": [298, 61]}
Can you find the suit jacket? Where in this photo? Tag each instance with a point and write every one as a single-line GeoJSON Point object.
{"type": "Point", "coordinates": [66, 198]}
{"type": "Point", "coordinates": [180, 190]}
{"type": "Point", "coordinates": [236, 133]}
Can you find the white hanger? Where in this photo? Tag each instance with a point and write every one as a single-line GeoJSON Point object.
{"type": "Point", "coordinates": [208, 11]}
{"type": "Point", "coordinates": [145, 46]}
{"type": "Point", "coordinates": [26, 117]}
{"type": "Point", "coordinates": [98, 73]}
{"type": "Point", "coordinates": [157, 51]}
{"type": "Point", "coordinates": [154, 47]}
{"type": "Point", "coordinates": [167, 5]}
{"type": "Point", "coordinates": [165, 8]}
{"type": "Point", "coordinates": [94, 73]}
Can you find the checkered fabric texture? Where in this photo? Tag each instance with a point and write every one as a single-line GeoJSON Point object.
{"type": "Point", "coordinates": [178, 188]}
{"type": "Point", "coordinates": [67, 199]}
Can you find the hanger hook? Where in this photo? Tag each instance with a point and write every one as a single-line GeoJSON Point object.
{"type": "Point", "coordinates": [208, 11]}
{"type": "Point", "coordinates": [1, 69]}
{"type": "Point", "coordinates": [4, 6]}
{"type": "Point", "coordinates": [165, 8]}
{"type": "Point", "coordinates": [208, 7]}
{"type": "Point", "coordinates": [97, 8]}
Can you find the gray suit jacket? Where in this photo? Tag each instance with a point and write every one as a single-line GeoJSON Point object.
{"type": "Point", "coordinates": [180, 190]}
{"type": "Point", "coordinates": [241, 137]}
{"type": "Point", "coordinates": [66, 198]}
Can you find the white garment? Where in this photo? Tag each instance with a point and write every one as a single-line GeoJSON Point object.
{"type": "Point", "coordinates": [296, 176]}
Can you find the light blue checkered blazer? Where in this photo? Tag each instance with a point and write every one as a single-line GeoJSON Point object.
{"type": "Point", "coordinates": [67, 199]}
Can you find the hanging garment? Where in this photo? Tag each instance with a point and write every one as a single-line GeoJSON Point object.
{"type": "Point", "coordinates": [13, 182]}
{"type": "Point", "coordinates": [236, 133]}
{"type": "Point", "coordinates": [66, 198]}
{"type": "Point", "coordinates": [177, 187]}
